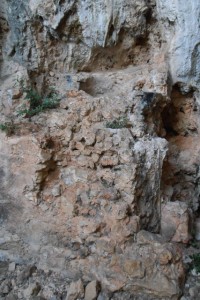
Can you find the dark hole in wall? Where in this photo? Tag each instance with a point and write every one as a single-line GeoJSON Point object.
{"type": "Point", "coordinates": [12, 52]}
{"type": "Point", "coordinates": [179, 180]}
{"type": "Point", "coordinates": [152, 106]}
{"type": "Point", "coordinates": [148, 15]}
{"type": "Point", "coordinates": [168, 117]}
{"type": "Point", "coordinates": [111, 31]}
{"type": "Point", "coordinates": [140, 41]}
{"type": "Point", "coordinates": [178, 116]}
{"type": "Point", "coordinates": [50, 144]}
{"type": "Point", "coordinates": [88, 86]}
{"type": "Point", "coordinates": [3, 213]}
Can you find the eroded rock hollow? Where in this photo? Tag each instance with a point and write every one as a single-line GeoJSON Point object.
{"type": "Point", "coordinates": [99, 149]}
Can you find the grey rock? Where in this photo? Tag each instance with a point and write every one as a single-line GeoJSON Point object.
{"type": "Point", "coordinates": [175, 225]}
{"type": "Point", "coordinates": [32, 290]}
{"type": "Point", "coordinates": [5, 287]}
{"type": "Point", "coordinates": [11, 296]}
{"type": "Point", "coordinates": [183, 56]}
{"type": "Point", "coordinates": [26, 273]}
{"type": "Point", "coordinates": [91, 290]}
{"type": "Point", "coordinates": [197, 229]}
{"type": "Point", "coordinates": [103, 296]}
{"type": "Point", "coordinates": [75, 291]}
{"type": "Point", "coordinates": [11, 267]}
{"type": "Point", "coordinates": [194, 292]}
{"type": "Point", "coordinates": [56, 191]}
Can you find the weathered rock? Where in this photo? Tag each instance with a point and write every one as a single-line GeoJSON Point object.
{"type": "Point", "coordinates": [75, 291]}
{"type": "Point", "coordinates": [136, 268]}
{"type": "Point", "coordinates": [183, 56]}
{"type": "Point", "coordinates": [103, 296]}
{"type": "Point", "coordinates": [175, 225]}
{"type": "Point", "coordinates": [11, 267]}
{"type": "Point", "coordinates": [91, 290]}
{"type": "Point", "coordinates": [5, 288]}
{"type": "Point", "coordinates": [150, 209]}
{"type": "Point", "coordinates": [56, 191]}
{"type": "Point", "coordinates": [11, 297]}
{"type": "Point", "coordinates": [32, 290]}
{"type": "Point", "coordinates": [90, 25]}
{"type": "Point", "coordinates": [79, 182]}
{"type": "Point", "coordinates": [193, 292]}
{"type": "Point", "coordinates": [197, 229]}
{"type": "Point", "coordinates": [25, 274]}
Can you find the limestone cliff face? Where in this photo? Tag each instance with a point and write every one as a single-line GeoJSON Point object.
{"type": "Point", "coordinates": [101, 188]}
{"type": "Point", "coordinates": [65, 35]}
{"type": "Point", "coordinates": [181, 31]}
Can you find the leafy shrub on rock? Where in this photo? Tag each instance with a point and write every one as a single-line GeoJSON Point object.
{"type": "Point", "coordinates": [37, 103]}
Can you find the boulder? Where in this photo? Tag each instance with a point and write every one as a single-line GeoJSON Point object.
{"type": "Point", "coordinates": [175, 225]}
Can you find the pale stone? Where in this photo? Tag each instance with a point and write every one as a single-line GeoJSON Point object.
{"type": "Point", "coordinates": [44, 207]}
{"type": "Point", "coordinates": [72, 175]}
{"type": "Point", "coordinates": [95, 157]}
{"type": "Point", "coordinates": [75, 291]}
{"type": "Point", "coordinates": [56, 191]}
{"type": "Point", "coordinates": [11, 267]}
{"type": "Point", "coordinates": [91, 290]}
{"type": "Point", "coordinates": [51, 74]}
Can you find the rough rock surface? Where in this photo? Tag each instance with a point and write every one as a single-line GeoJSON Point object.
{"type": "Point", "coordinates": [180, 22]}
{"type": "Point", "coordinates": [175, 222]}
{"type": "Point", "coordinates": [98, 195]}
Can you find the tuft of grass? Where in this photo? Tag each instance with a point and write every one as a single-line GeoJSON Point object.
{"type": "Point", "coordinates": [121, 122]}
{"type": "Point", "coordinates": [196, 262]}
{"type": "Point", "coordinates": [8, 128]}
{"type": "Point", "coordinates": [194, 244]}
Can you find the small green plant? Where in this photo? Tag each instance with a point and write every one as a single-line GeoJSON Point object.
{"type": "Point", "coordinates": [118, 123]}
{"type": "Point", "coordinates": [196, 262]}
{"type": "Point", "coordinates": [37, 103]}
{"type": "Point", "coordinates": [194, 244]}
{"type": "Point", "coordinates": [8, 128]}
